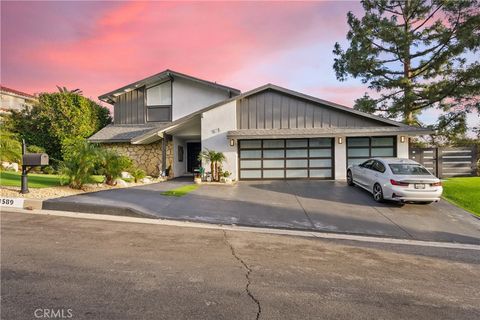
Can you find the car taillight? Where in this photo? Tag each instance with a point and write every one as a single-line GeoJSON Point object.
{"type": "Point", "coordinates": [436, 184]}
{"type": "Point", "coordinates": [398, 183]}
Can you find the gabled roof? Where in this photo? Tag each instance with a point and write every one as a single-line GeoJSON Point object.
{"type": "Point", "coordinates": [160, 77]}
{"type": "Point", "coordinates": [396, 126]}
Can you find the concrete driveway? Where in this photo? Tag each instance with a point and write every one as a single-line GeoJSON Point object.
{"type": "Point", "coordinates": [297, 204]}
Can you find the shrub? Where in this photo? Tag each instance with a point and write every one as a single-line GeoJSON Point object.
{"type": "Point", "coordinates": [138, 174]}
{"type": "Point", "coordinates": [78, 166]}
{"type": "Point", "coordinates": [112, 165]}
{"type": "Point", "coordinates": [48, 170]}
{"type": "Point", "coordinates": [35, 149]}
{"type": "Point", "coordinates": [10, 147]}
{"type": "Point", "coordinates": [56, 117]}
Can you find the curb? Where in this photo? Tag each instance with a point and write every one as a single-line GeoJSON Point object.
{"type": "Point", "coordinates": [307, 234]}
{"type": "Point", "coordinates": [95, 209]}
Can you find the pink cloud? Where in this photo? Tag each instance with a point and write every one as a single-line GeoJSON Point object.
{"type": "Point", "coordinates": [100, 46]}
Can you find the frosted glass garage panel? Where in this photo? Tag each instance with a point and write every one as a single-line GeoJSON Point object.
{"type": "Point", "coordinates": [272, 174]}
{"type": "Point", "coordinates": [273, 163]}
{"type": "Point", "coordinates": [273, 153]}
{"type": "Point", "coordinates": [320, 153]}
{"type": "Point", "coordinates": [358, 142]}
{"type": "Point", "coordinates": [321, 163]}
{"type": "Point", "coordinates": [359, 152]}
{"type": "Point", "coordinates": [382, 142]}
{"type": "Point", "coordinates": [251, 164]}
{"type": "Point", "coordinates": [297, 173]}
{"type": "Point", "coordinates": [250, 144]}
{"type": "Point", "coordinates": [323, 142]}
{"type": "Point", "coordinates": [250, 174]}
{"type": "Point", "coordinates": [300, 153]}
{"type": "Point", "coordinates": [273, 144]}
{"type": "Point", "coordinates": [382, 152]}
{"type": "Point", "coordinates": [297, 163]}
{"type": "Point", "coordinates": [297, 143]}
{"type": "Point", "coordinates": [256, 154]}
{"type": "Point", "coordinates": [356, 161]}
{"type": "Point", "coordinates": [320, 173]}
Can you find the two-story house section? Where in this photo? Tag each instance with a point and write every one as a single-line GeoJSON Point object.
{"type": "Point", "coordinates": [155, 102]}
{"type": "Point", "coordinates": [270, 132]}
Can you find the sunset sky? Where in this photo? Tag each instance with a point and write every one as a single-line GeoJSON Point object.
{"type": "Point", "coordinates": [100, 46]}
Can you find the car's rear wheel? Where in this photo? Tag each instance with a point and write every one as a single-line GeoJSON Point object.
{"type": "Point", "coordinates": [377, 193]}
{"type": "Point", "coordinates": [350, 178]}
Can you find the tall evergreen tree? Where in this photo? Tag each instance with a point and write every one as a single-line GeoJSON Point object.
{"type": "Point", "coordinates": [417, 54]}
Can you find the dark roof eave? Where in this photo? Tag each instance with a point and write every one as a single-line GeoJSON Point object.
{"type": "Point", "coordinates": [238, 134]}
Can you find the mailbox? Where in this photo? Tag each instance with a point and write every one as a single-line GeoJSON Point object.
{"type": "Point", "coordinates": [35, 159]}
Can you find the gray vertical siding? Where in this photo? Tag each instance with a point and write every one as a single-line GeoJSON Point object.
{"type": "Point", "coordinates": [275, 110]}
{"type": "Point", "coordinates": [130, 107]}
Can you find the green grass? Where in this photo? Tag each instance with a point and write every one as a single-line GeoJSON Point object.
{"type": "Point", "coordinates": [12, 179]}
{"type": "Point", "coordinates": [463, 192]}
{"type": "Point", "coordinates": [180, 192]}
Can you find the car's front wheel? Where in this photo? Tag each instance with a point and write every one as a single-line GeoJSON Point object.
{"type": "Point", "coordinates": [350, 178]}
{"type": "Point", "coordinates": [377, 193]}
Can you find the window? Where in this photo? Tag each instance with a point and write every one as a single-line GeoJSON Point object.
{"type": "Point", "coordinates": [367, 164]}
{"type": "Point", "coordinates": [160, 95]}
{"type": "Point", "coordinates": [378, 166]}
{"type": "Point", "coordinates": [409, 169]}
{"type": "Point", "coordinates": [180, 153]}
{"type": "Point", "coordinates": [159, 103]}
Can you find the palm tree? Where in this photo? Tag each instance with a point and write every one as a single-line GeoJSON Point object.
{"type": "Point", "coordinates": [214, 158]}
{"type": "Point", "coordinates": [218, 158]}
{"type": "Point", "coordinates": [65, 90]}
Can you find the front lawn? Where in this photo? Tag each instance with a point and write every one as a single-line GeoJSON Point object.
{"type": "Point", "coordinates": [180, 192]}
{"type": "Point", "coordinates": [12, 179]}
{"type": "Point", "coordinates": [464, 192]}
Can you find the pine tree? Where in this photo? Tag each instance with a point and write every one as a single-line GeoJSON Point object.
{"type": "Point", "coordinates": [416, 54]}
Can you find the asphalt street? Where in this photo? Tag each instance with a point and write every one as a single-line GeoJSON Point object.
{"type": "Point", "coordinates": [117, 270]}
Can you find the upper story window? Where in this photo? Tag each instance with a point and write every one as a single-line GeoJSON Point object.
{"type": "Point", "coordinates": [159, 103]}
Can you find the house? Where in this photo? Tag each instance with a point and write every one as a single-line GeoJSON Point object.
{"type": "Point", "coordinates": [164, 121]}
{"type": "Point", "coordinates": [12, 99]}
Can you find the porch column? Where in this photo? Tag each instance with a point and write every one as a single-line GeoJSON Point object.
{"type": "Point", "coordinates": [164, 154]}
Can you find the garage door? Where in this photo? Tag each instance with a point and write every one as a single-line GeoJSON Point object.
{"type": "Point", "coordinates": [286, 159]}
{"type": "Point", "coordinates": [360, 149]}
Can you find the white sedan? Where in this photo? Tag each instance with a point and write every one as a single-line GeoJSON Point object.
{"type": "Point", "coordinates": [396, 179]}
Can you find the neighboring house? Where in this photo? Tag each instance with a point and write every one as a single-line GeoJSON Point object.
{"type": "Point", "coordinates": [12, 99]}
{"type": "Point", "coordinates": [164, 121]}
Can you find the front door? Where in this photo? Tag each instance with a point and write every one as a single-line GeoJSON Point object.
{"type": "Point", "coordinates": [193, 150]}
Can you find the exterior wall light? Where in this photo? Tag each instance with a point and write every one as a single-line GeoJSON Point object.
{"type": "Point", "coordinates": [340, 140]}
{"type": "Point", "coordinates": [232, 142]}
{"type": "Point", "coordinates": [402, 139]}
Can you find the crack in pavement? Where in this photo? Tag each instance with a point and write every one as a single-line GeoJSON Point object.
{"type": "Point", "coordinates": [247, 275]}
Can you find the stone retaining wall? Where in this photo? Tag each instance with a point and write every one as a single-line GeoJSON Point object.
{"type": "Point", "coordinates": [147, 157]}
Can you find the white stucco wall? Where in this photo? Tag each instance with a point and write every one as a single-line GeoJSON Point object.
{"type": "Point", "coordinates": [10, 101]}
{"type": "Point", "coordinates": [215, 125]}
{"type": "Point", "coordinates": [179, 168]}
{"type": "Point", "coordinates": [190, 96]}
{"type": "Point", "coordinates": [402, 148]}
{"type": "Point", "coordinates": [340, 158]}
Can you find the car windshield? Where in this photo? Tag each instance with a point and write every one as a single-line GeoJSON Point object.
{"type": "Point", "coordinates": [408, 169]}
